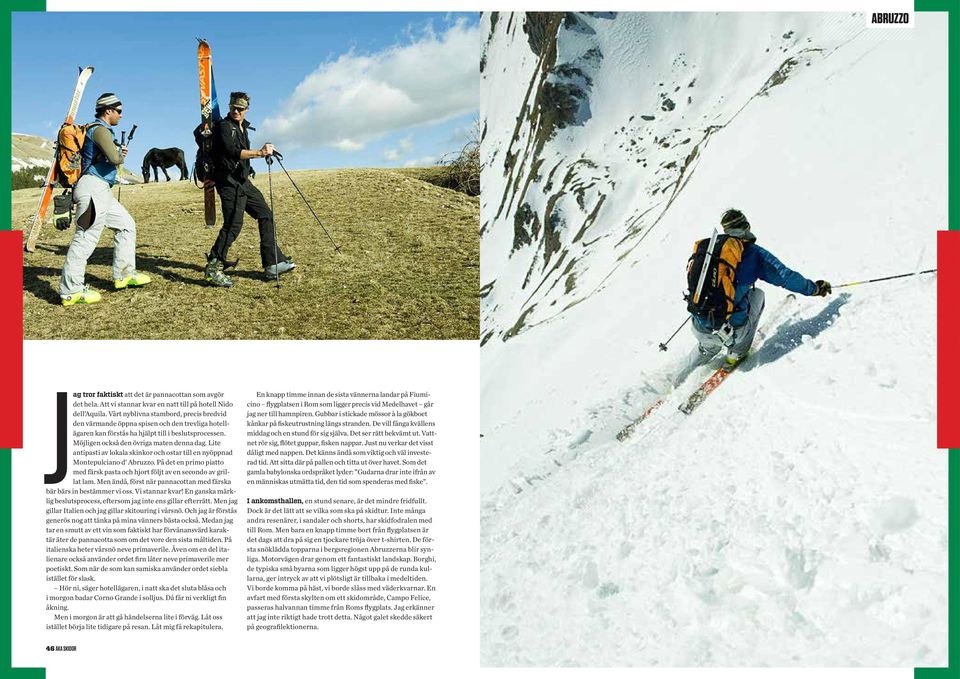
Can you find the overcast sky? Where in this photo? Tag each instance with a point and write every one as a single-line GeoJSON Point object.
{"type": "Point", "coordinates": [329, 89]}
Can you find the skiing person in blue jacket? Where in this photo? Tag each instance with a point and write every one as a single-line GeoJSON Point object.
{"type": "Point", "coordinates": [757, 263]}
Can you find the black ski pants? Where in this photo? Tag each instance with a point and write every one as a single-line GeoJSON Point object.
{"type": "Point", "coordinates": [235, 200]}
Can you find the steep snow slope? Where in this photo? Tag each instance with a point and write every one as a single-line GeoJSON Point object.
{"type": "Point", "coordinates": [797, 517]}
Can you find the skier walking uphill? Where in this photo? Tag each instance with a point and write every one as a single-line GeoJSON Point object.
{"type": "Point", "coordinates": [96, 207]}
{"type": "Point", "coordinates": [735, 329]}
{"type": "Point", "coordinates": [232, 154]}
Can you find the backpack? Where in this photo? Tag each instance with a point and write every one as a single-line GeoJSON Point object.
{"type": "Point", "coordinates": [714, 305]}
{"type": "Point", "coordinates": [68, 162]}
{"type": "Point", "coordinates": [203, 163]}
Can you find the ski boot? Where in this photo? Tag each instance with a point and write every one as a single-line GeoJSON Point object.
{"type": "Point", "coordinates": [85, 296]}
{"type": "Point", "coordinates": [214, 275]}
{"type": "Point", "coordinates": [134, 280]}
{"type": "Point", "coordinates": [733, 359]}
{"type": "Point", "coordinates": [279, 268]}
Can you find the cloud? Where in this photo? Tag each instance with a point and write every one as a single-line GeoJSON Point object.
{"type": "Point", "coordinates": [357, 98]}
{"type": "Point", "coordinates": [347, 145]}
{"type": "Point", "coordinates": [426, 161]}
{"type": "Point", "coordinates": [461, 134]}
{"type": "Point", "coordinates": [405, 149]}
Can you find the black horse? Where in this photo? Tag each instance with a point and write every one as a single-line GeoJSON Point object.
{"type": "Point", "coordinates": [162, 159]}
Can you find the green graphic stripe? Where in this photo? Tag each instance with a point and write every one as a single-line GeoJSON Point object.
{"type": "Point", "coordinates": [953, 483]}
{"type": "Point", "coordinates": [6, 587]}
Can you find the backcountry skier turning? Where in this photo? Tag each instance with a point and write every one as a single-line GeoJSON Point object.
{"type": "Point", "coordinates": [724, 320]}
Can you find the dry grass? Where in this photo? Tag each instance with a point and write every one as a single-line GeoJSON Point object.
{"type": "Point", "coordinates": [464, 169]}
{"type": "Point", "coordinates": [409, 267]}
{"type": "Point", "coordinates": [459, 171]}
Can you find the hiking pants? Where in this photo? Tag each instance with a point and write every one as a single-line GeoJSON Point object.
{"type": "Point", "coordinates": [95, 207]}
{"type": "Point", "coordinates": [234, 201]}
{"type": "Point", "coordinates": [743, 335]}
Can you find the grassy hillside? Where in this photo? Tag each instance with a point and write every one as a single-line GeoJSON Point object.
{"type": "Point", "coordinates": [409, 266]}
{"type": "Point", "coordinates": [27, 150]}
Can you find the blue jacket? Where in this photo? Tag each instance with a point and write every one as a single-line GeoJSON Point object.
{"type": "Point", "coordinates": [759, 263]}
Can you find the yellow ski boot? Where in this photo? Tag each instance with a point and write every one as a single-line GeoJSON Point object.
{"type": "Point", "coordinates": [85, 296]}
{"type": "Point", "coordinates": [134, 280]}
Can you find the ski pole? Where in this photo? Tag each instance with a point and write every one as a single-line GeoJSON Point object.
{"type": "Point", "coordinates": [276, 262]}
{"type": "Point", "coordinates": [885, 278]}
{"type": "Point", "coordinates": [123, 137]}
{"type": "Point", "coordinates": [120, 169]}
{"type": "Point", "coordinates": [279, 158]}
{"type": "Point", "coordinates": [663, 345]}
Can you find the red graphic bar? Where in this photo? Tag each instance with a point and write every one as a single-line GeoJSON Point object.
{"type": "Point", "coordinates": [948, 339]}
{"type": "Point", "coordinates": [11, 338]}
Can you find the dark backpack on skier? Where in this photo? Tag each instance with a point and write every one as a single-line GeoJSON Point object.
{"type": "Point", "coordinates": [714, 303]}
{"type": "Point", "coordinates": [203, 164]}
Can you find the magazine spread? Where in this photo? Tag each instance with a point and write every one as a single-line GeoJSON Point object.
{"type": "Point", "coordinates": [453, 342]}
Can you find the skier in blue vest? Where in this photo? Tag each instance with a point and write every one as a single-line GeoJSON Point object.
{"type": "Point", "coordinates": [96, 208]}
{"type": "Point", "coordinates": [736, 333]}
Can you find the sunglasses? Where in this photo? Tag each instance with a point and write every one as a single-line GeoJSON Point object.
{"type": "Point", "coordinates": [238, 109]}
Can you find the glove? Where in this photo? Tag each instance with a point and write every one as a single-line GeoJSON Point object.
{"type": "Point", "coordinates": [823, 289]}
{"type": "Point", "coordinates": [62, 211]}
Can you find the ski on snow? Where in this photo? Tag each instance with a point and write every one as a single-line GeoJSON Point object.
{"type": "Point", "coordinates": [44, 202]}
{"type": "Point", "coordinates": [712, 382]}
{"type": "Point", "coordinates": [209, 117]}
{"type": "Point", "coordinates": [627, 431]}
{"type": "Point", "coordinates": [723, 372]}
{"type": "Point", "coordinates": [707, 388]}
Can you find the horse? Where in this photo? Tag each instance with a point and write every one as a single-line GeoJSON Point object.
{"type": "Point", "coordinates": [164, 158]}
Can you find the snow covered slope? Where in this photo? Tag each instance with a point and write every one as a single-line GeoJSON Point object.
{"type": "Point", "coordinates": [798, 517]}
{"type": "Point", "coordinates": [27, 150]}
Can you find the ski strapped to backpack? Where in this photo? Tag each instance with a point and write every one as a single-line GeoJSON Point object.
{"type": "Point", "coordinates": [711, 271]}
{"type": "Point", "coordinates": [55, 167]}
{"type": "Point", "coordinates": [67, 170]}
{"type": "Point", "coordinates": [203, 133]}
